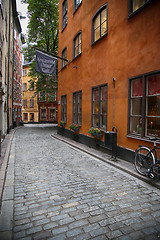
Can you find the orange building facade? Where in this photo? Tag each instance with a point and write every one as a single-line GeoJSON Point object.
{"type": "Point", "coordinates": [113, 77]}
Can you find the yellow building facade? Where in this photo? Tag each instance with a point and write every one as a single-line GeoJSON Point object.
{"type": "Point", "coordinates": [29, 103]}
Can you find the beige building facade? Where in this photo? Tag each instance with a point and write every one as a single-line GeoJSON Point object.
{"type": "Point", "coordinates": [29, 102]}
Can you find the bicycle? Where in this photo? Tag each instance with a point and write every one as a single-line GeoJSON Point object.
{"type": "Point", "coordinates": [146, 161]}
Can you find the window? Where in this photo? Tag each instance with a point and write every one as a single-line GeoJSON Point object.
{"type": "Point", "coordinates": [31, 116]}
{"type": "Point", "coordinates": [135, 5]}
{"type": "Point", "coordinates": [64, 108]}
{"type": "Point", "coordinates": [24, 86]}
{"type": "Point", "coordinates": [64, 55]}
{"type": "Point", "coordinates": [42, 96]}
{"type": "Point", "coordinates": [144, 105]}
{"type": "Point", "coordinates": [77, 107]}
{"type": "Point", "coordinates": [99, 106]}
{"type": "Point", "coordinates": [43, 113]}
{"type": "Point", "coordinates": [77, 43]}
{"type": "Point", "coordinates": [64, 14]}
{"type": "Point", "coordinates": [52, 113]}
{"type": "Point", "coordinates": [52, 97]}
{"type": "Point", "coordinates": [24, 72]}
{"type": "Point", "coordinates": [24, 103]}
{"type": "Point", "coordinates": [77, 3]}
{"type": "Point", "coordinates": [31, 103]}
{"type": "Point", "coordinates": [25, 116]}
{"type": "Point", "coordinates": [99, 24]}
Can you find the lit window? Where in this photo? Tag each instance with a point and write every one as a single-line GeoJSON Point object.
{"type": "Point", "coordinates": [144, 115]}
{"type": "Point", "coordinates": [77, 44]}
{"type": "Point", "coordinates": [134, 5]}
{"type": "Point", "coordinates": [99, 24]}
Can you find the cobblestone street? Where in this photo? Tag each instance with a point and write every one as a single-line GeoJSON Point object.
{"type": "Point", "coordinates": [64, 193]}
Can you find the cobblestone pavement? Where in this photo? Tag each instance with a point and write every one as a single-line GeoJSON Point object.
{"type": "Point", "coordinates": [64, 193]}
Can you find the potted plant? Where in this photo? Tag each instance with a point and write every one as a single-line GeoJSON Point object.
{"type": "Point", "coordinates": [95, 132]}
{"type": "Point", "coordinates": [62, 123]}
{"type": "Point", "coordinates": [74, 127]}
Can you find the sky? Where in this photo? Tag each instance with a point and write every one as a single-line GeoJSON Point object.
{"type": "Point", "coordinates": [23, 9]}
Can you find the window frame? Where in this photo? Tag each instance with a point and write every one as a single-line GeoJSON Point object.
{"type": "Point", "coordinates": [63, 62]}
{"type": "Point", "coordinates": [25, 103]}
{"type": "Point", "coordinates": [64, 109]}
{"type": "Point", "coordinates": [31, 103]}
{"type": "Point", "coordinates": [79, 34]}
{"type": "Point", "coordinates": [76, 6]}
{"type": "Point", "coordinates": [78, 108]}
{"type": "Point", "coordinates": [99, 11]}
{"type": "Point", "coordinates": [64, 14]}
{"type": "Point", "coordinates": [43, 108]}
{"type": "Point", "coordinates": [99, 103]}
{"type": "Point", "coordinates": [143, 134]}
{"type": "Point", "coordinates": [131, 13]}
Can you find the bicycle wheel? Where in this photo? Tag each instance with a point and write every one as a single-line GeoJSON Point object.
{"type": "Point", "coordinates": [156, 171]}
{"type": "Point", "coordinates": [143, 160]}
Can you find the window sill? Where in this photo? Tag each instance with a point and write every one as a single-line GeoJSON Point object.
{"type": "Point", "coordinates": [146, 139]}
{"type": "Point", "coordinates": [77, 56]}
{"type": "Point", "coordinates": [99, 39]}
{"type": "Point", "coordinates": [76, 8]}
{"type": "Point", "coordinates": [139, 9]}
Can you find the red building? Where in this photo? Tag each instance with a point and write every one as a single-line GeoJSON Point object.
{"type": "Point", "coordinates": [17, 74]}
{"type": "Point", "coordinates": [47, 107]}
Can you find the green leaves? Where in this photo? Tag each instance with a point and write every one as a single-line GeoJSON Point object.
{"type": "Point", "coordinates": [43, 34]}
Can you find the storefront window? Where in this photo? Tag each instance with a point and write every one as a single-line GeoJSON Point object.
{"type": "Point", "coordinates": [144, 118]}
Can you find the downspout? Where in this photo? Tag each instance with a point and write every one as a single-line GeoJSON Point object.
{"type": "Point", "coordinates": [8, 87]}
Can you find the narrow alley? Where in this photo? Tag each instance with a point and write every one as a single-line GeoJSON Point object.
{"type": "Point", "coordinates": [60, 192]}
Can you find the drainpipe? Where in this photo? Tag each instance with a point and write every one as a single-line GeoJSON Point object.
{"type": "Point", "coordinates": [8, 87]}
{"type": "Point", "coordinates": [114, 80]}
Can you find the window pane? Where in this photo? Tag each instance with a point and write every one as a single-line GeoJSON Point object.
{"type": "Point", "coordinates": [95, 120]}
{"type": "Point", "coordinates": [136, 125]}
{"type": "Point", "coordinates": [103, 22]}
{"type": "Point", "coordinates": [153, 126]}
{"type": "Point", "coordinates": [95, 107]}
{"type": "Point", "coordinates": [153, 84]}
{"type": "Point", "coordinates": [136, 87]}
{"type": "Point", "coordinates": [103, 120]}
{"type": "Point", "coordinates": [136, 106]}
{"type": "Point", "coordinates": [137, 4]}
{"type": "Point", "coordinates": [97, 34]}
{"type": "Point", "coordinates": [153, 116]}
{"type": "Point", "coordinates": [97, 22]}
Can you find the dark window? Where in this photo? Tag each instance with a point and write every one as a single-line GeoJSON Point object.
{"type": "Point", "coordinates": [136, 5]}
{"type": "Point", "coordinates": [77, 45]}
{"type": "Point", "coordinates": [52, 113]}
{"type": "Point", "coordinates": [24, 86]}
{"type": "Point", "coordinates": [24, 103]}
{"type": "Point", "coordinates": [43, 113]}
{"type": "Point", "coordinates": [64, 108]}
{"type": "Point", "coordinates": [77, 3]}
{"type": "Point", "coordinates": [52, 97]}
{"type": "Point", "coordinates": [64, 14]}
{"type": "Point", "coordinates": [64, 55]}
{"type": "Point", "coordinates": [42, 96]}
{"type": "Point", "coordinates": [99, 106]}
{"type": "Point", "coordinates": [77, 107]}
{"type": "Point", "coordinates": [144, 105]}
{"type": "Point", "coordinates": [31, 103]}
{"type": "Point", "coordinates": [100, 24]}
